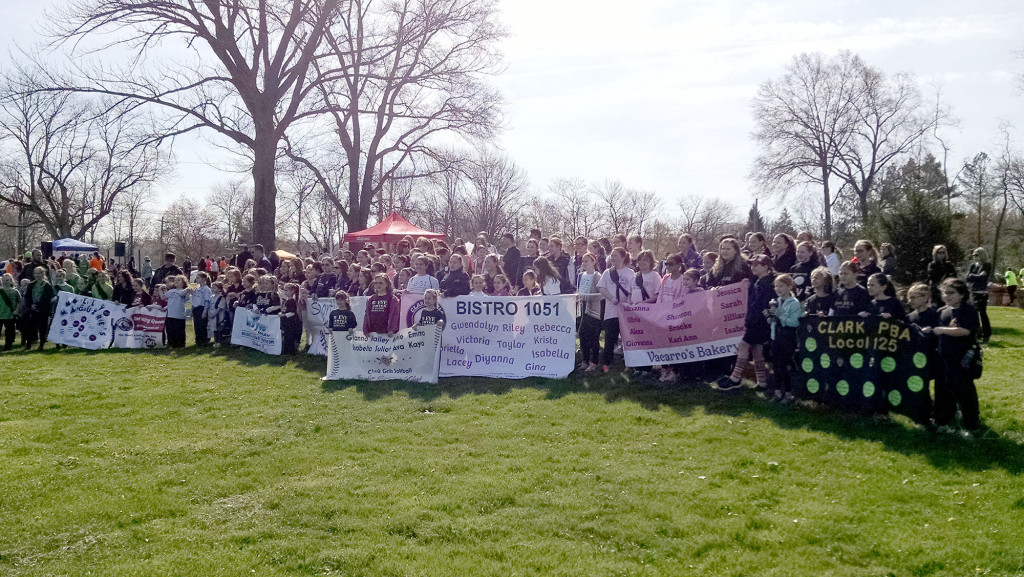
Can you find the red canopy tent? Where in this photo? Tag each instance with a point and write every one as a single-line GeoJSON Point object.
{"type": "Point", "coordinates": [392, 229]}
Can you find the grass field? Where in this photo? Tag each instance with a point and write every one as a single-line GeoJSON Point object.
{"type": "Point", "coordinates": [236, 463]}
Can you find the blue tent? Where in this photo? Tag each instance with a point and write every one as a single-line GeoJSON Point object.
{"type": "Point", "coordinates": [72, 245]}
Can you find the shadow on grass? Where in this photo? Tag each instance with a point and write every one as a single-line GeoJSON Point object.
{"type": "Point", "coordinates": [1006, 338]}
{"type": "Point", "coordinates": [899, 434]}
{"type": "Point", "coordinates": [993, 450]}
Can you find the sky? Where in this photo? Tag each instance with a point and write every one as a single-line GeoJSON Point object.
{"type": "Point", "coordinates": [656, 93]}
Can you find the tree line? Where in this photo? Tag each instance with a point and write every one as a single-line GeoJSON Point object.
{"type": "Point", "coordinates": [341, 111]}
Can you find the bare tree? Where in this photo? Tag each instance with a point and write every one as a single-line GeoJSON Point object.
{"type": "Point", "coordinates": [890, 124]}
{"type": "Point", "coordinates": [497, 189]}
{"type": "Point", "coordinates": [189, 230]}
{"type": "Point", "coordinates": [803, 122]}
{"type": "Point", "coordinates": [443, 193]}
{"type": "Point", "coordinates": [412, 70]}
{"type": "Point", "coordinates": [575, 207]}
{"type": "Point", "coordinates": [231, 202]}
{"type": "Point", "coordinates": [128, 218]}
{"type": "Point", "coordinates": [978, 183]}
{"type": "Point", "coordinates": [706, 219]}
{"type": "Point", "coordinates": [69, 157]}
{"type": "Point", "coordinates": [250, 73]}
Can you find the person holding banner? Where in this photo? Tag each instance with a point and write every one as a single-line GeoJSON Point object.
{"type": "Point", "coordinates": [823, 299]}
{"type": "Point", "coordinates": [959, 323]}
{"type": "Point", "coordinates": [925, 317]}
{"type": "Point", "coordinates": [342, 318]}
{"type": "Point", "coordinates": [757, 331]}
{"type": "Point", "coordinates": [431, 314]}
{"type": "Point", "coordinates": [884, 302]}
{"type": "Point", "coordinates": [176, 296]}
{"type": "Point", "coordinates": [730, 266]}
{"type": "Point", "coordinates": [383, 309]}
{"type": "Point", "coordinates": [851, 298]}
{"type": "Point", "coordinates": [615, 286]}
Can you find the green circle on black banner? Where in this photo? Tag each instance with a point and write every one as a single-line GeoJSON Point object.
{"type": "Point", "coordinates": [843, 388]}
{"type": "Point", "coordinates": [915, 384]}
{"type": "Point", "coordinates": [811, 345]}
{"type": "Point", "coordinates": [895, 398]}
{"type": "Point", "coordinates": [813, 386]}
{"type": "Point", "coordinates": [869, 389]}
{"type": "Point", "coordinates": [920, 360]}
{"type": "Point", "coordinates": [888, 364]}
{"type": "Point", "coordinates": [856, 360]}
{"type": "Point", "coordinates": [808, 365]}
{"type": "Point", "coordinates": [826, 361]}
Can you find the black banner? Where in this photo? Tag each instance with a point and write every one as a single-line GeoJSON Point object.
{"type": "Point", "coordinates": [866, 364]}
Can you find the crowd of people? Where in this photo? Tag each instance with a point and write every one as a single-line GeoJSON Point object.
{"type": "Point", "coordinates": [789, 278]}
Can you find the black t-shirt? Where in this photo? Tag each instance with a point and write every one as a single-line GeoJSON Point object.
{"type": "Point", "coordinates": [820, 305]}
{"type": "Point", "coordinates": [852, 301]}
{"type": "Point", "coordinates": [266, 301]}
{"type": "Point", "coordinates": [342, 320]}
{"type": "Point", "coordinates": [890, 305]}
{"type": "Point", "coordinates": [966, 317]}
{"type": "Point", "coordinates": [431, 317]}
{"type": "Point", "coordinates": [927, 318]}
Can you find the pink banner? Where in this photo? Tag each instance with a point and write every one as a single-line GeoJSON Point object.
{"type": "Point", "coordinates": [700, 326]}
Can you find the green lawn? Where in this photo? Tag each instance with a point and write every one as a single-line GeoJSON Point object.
{"type": "Point", "coordinates": [236, 463]}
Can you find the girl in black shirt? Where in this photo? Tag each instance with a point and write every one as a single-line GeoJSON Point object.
{"type": "Point", "coordinates": [823, 300]}
{"type": "Point", "coordinates": [851, 298]}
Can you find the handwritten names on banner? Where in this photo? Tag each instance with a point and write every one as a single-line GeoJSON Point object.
{"type": "Point", "coordinates": [509, 337]}
{"type": "Point", "coordinates": [700, 326]}
{"type": "Point", "coordinates": [83, 322]}
{"type": "Point", "coordinates": [411, 355]}
{"type": "Point", "coordinates": [140, 328]}
{"type": "Point", "coordinates": [316, 317]}
{"type": "Point", "coordinates": [256, 331]}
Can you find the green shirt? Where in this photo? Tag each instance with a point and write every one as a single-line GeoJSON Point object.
{"type": "Point", "coordinates": [8, 312]}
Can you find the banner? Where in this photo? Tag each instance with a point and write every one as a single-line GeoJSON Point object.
{"type": "Point", "coordinates": [140, 328]}
{"type": "Point", "coordinates": [256, 331]}
{"type": "Point", "coordinates": [83, 322]}
{"type": "Point", "coordinates": [411, 355]}
{"type": "Point", "coordinates": [316, 315]}
{"type": "Point", "coordinates": [702, 325]}
{"type": "Point", "coordinates": [864, 364]}
{"type": "Point", "coordinates": [508, 337]}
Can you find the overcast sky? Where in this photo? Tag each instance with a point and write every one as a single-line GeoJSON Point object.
{"type": "Point", "coordinates": [656, 93]}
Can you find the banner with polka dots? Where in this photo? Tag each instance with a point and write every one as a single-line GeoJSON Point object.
{"type": "Point", "coordinates": [864, 364]}
{"type": "Point", "coordinates": [83, 322]}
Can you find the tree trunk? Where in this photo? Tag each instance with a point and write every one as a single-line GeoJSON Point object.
{"type": "Point", "coordinates": [264, 206]}
{"type": "Point", "coordinates": [828, 202]}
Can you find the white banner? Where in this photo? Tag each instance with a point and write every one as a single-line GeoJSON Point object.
{"type": "Point", "coordinates": [411, 355]}
{"type": "Point", "coordinates": [140, 328]}
{"type": "Point", "coordinates": [315, 318]}
{"type": "Point", "coordinates": [256, 331]}
{"type": "Point", "coordinates": [509, 337]}
{"type": "Point", "coordinates": [83, 322]}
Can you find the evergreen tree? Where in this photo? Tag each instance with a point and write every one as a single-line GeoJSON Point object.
{"type": "Point", "coordinates": [784, 224]}
{"type": "Point", "coordinates": [755, 222]}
